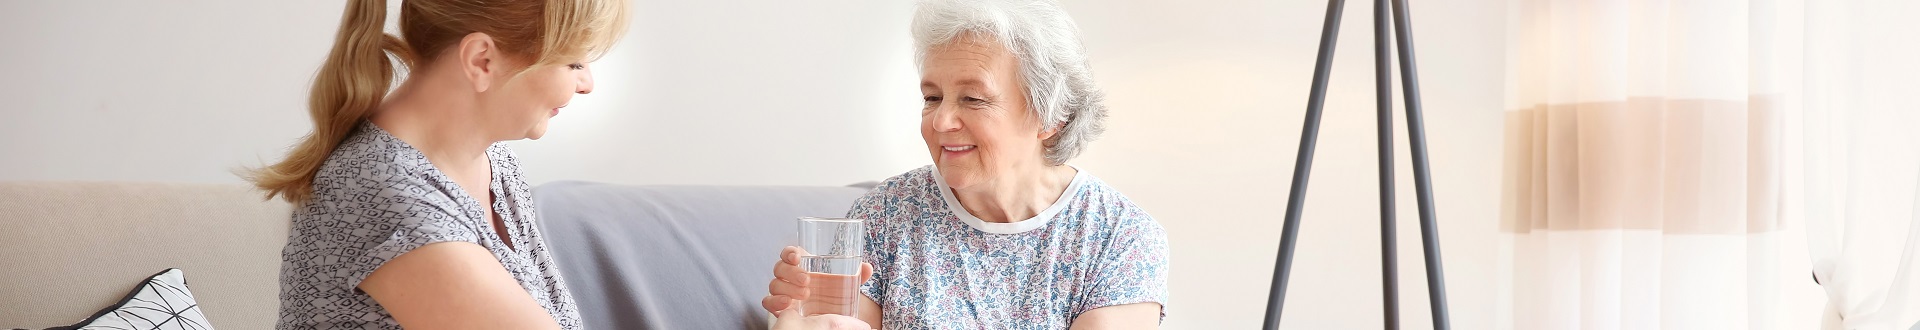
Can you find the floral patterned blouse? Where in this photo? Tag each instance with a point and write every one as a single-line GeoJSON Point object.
{"type": "Point", "coordinates": [938, 267]}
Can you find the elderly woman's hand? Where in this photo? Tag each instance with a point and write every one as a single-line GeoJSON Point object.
{"type": "Point", "coordinates": [793, 285]}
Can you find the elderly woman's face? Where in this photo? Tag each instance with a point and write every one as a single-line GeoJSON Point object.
{"type": "Point", "coordinates": [976, 121]}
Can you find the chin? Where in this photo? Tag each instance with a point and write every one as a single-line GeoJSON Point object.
{"type": "Point", "coordinates": [537, 131]}
{"type": "Point", "coordinates": [956, 177]}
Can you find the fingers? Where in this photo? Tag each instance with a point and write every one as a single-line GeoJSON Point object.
{"type": "Point", "coordinates": [791, 319]}
{"type": "Point", "coordinates": [836, 322]}
{"type": "Point", "coordinates": [790, 286]}
{"type": "Point", "coordinates": [789, 282]}
{"type": "Point", "coordinates": [785, 318]}
{"type": "Point", "coordinates": [791, 274]}
{"type": "Point", "coordinates": [778, 304]}
{"type": "Point", "coordinates": [778, 287]}
{"type": "Point", "coordinates": [791, 255]}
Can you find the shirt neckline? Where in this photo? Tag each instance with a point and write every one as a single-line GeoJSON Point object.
{"type": "Point", "coordinates": [495, 186]}
{"type": "Point", "coordinates": [1038, 220]}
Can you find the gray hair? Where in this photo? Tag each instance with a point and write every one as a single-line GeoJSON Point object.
{"type": "Point", "coordinates": [1053, 63]}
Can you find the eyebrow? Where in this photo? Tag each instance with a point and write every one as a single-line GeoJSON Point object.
{"type": "Point", "coordinates": [972, 82]}
{"type": "Point", "coordinates": [963, 83]}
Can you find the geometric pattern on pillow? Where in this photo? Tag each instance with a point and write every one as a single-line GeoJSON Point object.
{"type": "Point", "coordinates": [163, 302]}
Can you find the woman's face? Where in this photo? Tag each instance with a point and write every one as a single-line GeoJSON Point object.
{"type": "Point", "coordinates": [523, 105]}
{"type": "Point", "coordinates": [976, 122]}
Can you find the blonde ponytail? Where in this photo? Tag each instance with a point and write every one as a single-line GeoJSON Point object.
{"type": "Point", "coordinates": [357, 73]}
{"type": "Point", "coordinates": [351, 84]}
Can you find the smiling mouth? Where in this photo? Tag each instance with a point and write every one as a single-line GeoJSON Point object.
{"type": "Point", "coordinates": [956, 148]}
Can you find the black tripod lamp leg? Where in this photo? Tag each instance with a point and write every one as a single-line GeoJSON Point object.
{"type": "Point", "coordinates": [1422, 178]}
{"type": "Point", "coordinates": [1303, 162]}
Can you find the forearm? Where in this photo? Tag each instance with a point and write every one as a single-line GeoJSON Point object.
{"type": "Point", "coordinates": [1145, 316]}
{"type": "Point", "coordinates": [868, 311]}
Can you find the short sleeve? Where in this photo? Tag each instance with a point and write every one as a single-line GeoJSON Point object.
{"type": "Point", "coordinates": [1133, 266]}
{"type": "Point", "coordinates": [884, 207]}
{"type": "Point", "coordinates": [371, 227]}
{"type": "Point", "coordinates": [867, 207]}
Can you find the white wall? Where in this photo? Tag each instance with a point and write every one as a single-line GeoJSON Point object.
{"type": "Point", "coordinates": [775, 92]}
{"type": "Point", "coordinates": [767, 92]}
{"type": "Point", "coordinates": [1207, 99]}
{"type": "Point", "coordinates": [154, 91]}
{"type": "Point", "coordinates": [1208, 102]}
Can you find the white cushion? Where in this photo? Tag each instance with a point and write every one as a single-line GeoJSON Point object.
{"type": "Point", "coordinates": [162, 302]}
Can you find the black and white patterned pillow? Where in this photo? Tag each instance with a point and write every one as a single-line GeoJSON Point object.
{"type": "Point", "coordinates": [163, 302]}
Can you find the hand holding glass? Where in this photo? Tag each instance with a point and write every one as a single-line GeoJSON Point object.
{"type": "Point", "coordinates": [832, 250]}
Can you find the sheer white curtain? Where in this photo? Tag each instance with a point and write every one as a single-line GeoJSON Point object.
{"type": "Point", "coordinates": [1662, 155]}
{"type": "Point", "coordinates": [1643, 174]}
{"type": "Point", "coordinates": [1860, 167]}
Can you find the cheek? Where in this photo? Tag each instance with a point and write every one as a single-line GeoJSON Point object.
{"type": "Point", "coordinates": [550, 89]}
{"type": "Point", "coordinates": [566, 84]}
{"type": "Point", "coordinates": [926, 128]}
{"type": "Point", "coordinates": [559, 90]}
{"type": "Point", "coordinates": [1005, 141]}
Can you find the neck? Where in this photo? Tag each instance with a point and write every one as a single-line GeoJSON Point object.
{"type": "Point", "coordinates": [436, 117]}
{"type": "Point", "coordinates": [1017, 196]}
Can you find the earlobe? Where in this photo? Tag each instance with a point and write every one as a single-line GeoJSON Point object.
{"type": "Point", "coordinates": [476, 56]}
{"type": "Point", "coordinates": [1048, 133]}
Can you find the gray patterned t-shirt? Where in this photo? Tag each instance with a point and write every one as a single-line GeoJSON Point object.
{"type": "Point", "coordinates": [376, 198]}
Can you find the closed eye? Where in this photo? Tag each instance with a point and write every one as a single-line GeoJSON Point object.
{"type": "Point", "coordinates": [974, 101]}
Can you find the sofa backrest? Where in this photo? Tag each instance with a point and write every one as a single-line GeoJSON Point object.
{"type": "Point", "coordinates": [635, 257]}
{"type": "Point", "coordinates": [676, 257]}
{"type": "Point", "coordinates": [72, 248]}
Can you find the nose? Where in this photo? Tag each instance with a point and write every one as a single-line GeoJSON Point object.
{"type": "Point", "coordinates": [585, 84]}
{"type": "Point", "coordinates": [946, 118]}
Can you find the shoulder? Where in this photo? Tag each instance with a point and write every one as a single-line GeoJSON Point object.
{"type": "Point", "coordinates": [373, 170]}
{"type": "Point", "coordinates": [902, 196]}
{"type": "Point", "coordinates": [506, 165]}
{"type": "Point", "coordinates": [371, 154]}
{"type": "Point", "coordinates": [914, 184]}
{"type": "Point", "coordinates": [916, 181]}
{"type": "Point", "coordinates": [501, 155]}
{"type": "Point", "coordinates": [1112, 209]}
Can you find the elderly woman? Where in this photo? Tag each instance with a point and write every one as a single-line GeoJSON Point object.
{"type": "Point", "coordinates": [1000, 233]}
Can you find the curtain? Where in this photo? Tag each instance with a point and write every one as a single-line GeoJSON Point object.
{"type": "Point", "coordinates": [1643, 175]}
{"type": "Point", "coordinates": [1860, 166]}
{"type": "Point", "coordinates": [1685, 164]}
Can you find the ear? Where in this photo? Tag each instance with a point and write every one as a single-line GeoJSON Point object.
{"type": "Point", "coordinates": [479, 60]}
{"type": "Point", "coordinates": [1050, 131]}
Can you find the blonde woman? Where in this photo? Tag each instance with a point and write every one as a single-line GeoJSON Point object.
{"type": "Point", "coordinates": [409, 212]}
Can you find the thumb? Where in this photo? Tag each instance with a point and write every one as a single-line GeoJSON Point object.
{"type": "Point", "coordinates": [787, 318]}
{"type": "Point", "coordinates": [866, 272]}
{"type": "Point", "coordinates": [776, 303]}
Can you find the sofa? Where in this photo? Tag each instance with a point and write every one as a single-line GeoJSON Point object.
{"type": "Point", "coordinates": [635, 257]}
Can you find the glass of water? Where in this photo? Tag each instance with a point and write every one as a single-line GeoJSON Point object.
{"type": "Point", "coordinates": [834, 248]}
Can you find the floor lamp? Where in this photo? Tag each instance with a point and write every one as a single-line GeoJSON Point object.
{"type": "Point", "coordinates": [1416, 134]}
